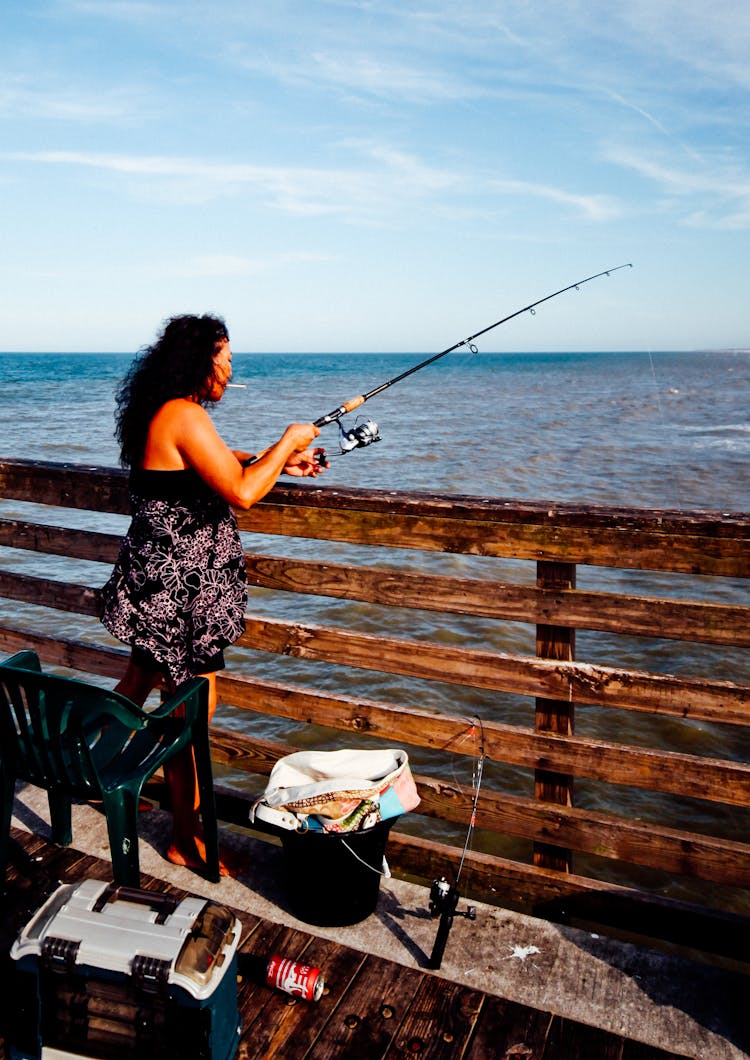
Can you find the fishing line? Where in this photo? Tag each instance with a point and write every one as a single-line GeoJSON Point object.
{"type": "Point", "coordinates": [662, 421]}
{"type": "Point", "coordinates": [476, 784]}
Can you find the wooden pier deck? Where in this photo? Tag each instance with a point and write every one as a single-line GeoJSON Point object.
{"type": "Point", "coordinates": [372, 1007]}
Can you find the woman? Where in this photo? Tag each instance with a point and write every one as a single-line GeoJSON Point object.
{"type": "Point", "coordinates": [177, 594]}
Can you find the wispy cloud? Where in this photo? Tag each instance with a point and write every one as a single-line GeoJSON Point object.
{"type": "Point", "coordinates": [62, 102]}
{"type": "Point", "coordinates": [295, 189]}
{"type": "Point", "coordinates": [229, 265]}
{"type": "Point", "coordinates": [711, 196]}
{"type": "Point", "coordinates": [370, 75]}
{"type": "Point", "coordinates": [394, 180]}
{"type": "Point", "coordinates": [302, 190]}
{"type": "Point", "coordinates": [594, 207]}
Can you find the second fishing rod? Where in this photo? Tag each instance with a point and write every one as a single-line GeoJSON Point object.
{"type": "Point", "coordinates": [367, 432]}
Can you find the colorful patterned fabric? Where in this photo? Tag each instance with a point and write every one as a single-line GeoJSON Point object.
{"type": "Point", "coordinates": [340, 791]}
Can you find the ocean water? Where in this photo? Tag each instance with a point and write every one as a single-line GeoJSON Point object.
{"type": "Point", "coordinates": [665, 430]}
{"type": "Point", "coordinates": [662, 429]}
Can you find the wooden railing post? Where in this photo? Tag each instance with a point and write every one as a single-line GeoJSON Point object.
{"type": "Point", "coordinates": [554, 642]}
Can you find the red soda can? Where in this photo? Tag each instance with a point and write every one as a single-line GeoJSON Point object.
{"type": "Point", "coordinates": [301, 980]}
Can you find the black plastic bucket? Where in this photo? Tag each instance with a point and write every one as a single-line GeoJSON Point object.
{"type": "Point", "coordinates": [333, 878]}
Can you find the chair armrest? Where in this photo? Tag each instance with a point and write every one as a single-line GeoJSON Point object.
{"type": "Point", "coordinates": [24, 660]}
{"type": "Point", "coordinates": [191, 693]}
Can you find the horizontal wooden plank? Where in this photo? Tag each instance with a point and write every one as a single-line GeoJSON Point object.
{"type": "Point", "coordinates": [66, 484]}
{"type": "Point", "coordinates": [706, 700]}
{"type": "Point", "coordinates": [584, 544]}
{"type": "Point", "coordinates": [48, 592]}
{"type": "Point", "coordinates": [59, 540]}
{"type": "Point", "coordinates": [460, 507]}
{"type": "Point", "coordinates": [666, 771]}
{"type": "Point", "coordinates": [391, 587]}
{"type": "Point", "coordinates": [65, 652]}
{"type": "Point", "coordinates": [569, 898]}
{"type": "Point", "coordinates": [98, 489]}
{"type": "Point", "coordinates": [713, 543]}
{"type": "Point", "coordinates": [606, 612]}
{"type": "Point", "coordinates": [606, 835]}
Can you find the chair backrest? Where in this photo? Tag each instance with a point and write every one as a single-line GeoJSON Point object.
{"type": "Point", "coordinates": [61, 732]}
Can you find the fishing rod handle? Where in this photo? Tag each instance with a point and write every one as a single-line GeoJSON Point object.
{"type": "Point", "coordinates": [348, 406]}
{"type": "Point", "coordinates": [438, 949]}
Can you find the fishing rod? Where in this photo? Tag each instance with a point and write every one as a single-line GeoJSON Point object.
{"type": "Point", "coordinates": [367, 432]}
{"type": "Point", "coordinates": [444, 896]}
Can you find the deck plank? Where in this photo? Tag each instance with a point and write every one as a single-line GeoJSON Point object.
{"type": "Point", "coordinates": [510, 1030]}
{"type": "Point", "coordinates": [369, 1015]}
{"type": "Point", "coordinates": [439, 1023]}
{"type": "Point", "coordinates": [576, 1041]}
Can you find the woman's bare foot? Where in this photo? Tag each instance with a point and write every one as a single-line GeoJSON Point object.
{"type": "Point", "coordinates": [194, 857]}
{"type": "Point", "coordinates": [143, 804]}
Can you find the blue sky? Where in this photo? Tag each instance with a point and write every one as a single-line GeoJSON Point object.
{"type": "Point", "coordinates": [375, 174]}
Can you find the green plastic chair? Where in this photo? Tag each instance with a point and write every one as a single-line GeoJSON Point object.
{"type": "Point", "coordinates": [78, 741]}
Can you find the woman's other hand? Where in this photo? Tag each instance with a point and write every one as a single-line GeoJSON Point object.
{"type": "Point", "coordinates": [308, 464]}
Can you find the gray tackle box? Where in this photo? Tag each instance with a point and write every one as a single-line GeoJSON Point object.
{"type": "Point", "coordinates": [115, 972]}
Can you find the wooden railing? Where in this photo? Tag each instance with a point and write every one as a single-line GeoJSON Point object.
{"type": "Point", "coordinates": [541, 848]}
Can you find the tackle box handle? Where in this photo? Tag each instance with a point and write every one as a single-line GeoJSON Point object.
{"type": "Point", "coordinates": [162, 904]}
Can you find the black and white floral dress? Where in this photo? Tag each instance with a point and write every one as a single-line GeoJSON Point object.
{"type": "Point", "coordinates": [178, 589]}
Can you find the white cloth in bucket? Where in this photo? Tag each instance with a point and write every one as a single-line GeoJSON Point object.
{"type": "Point", "coordinates": [337, 790]}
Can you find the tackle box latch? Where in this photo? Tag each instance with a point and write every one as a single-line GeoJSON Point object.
{"type": "Point", "coordinates": [150, 974]}
{"type": "Point", "coordinates": [59, 955]}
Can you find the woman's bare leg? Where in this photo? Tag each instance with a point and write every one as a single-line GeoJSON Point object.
{"type": "Point", "coordinates": [187, 846]}
{"type": "Point", "coordinates": [137, 683]}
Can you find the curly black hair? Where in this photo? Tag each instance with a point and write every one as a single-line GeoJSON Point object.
{"type": "Point", "coordinates": [178, 364]}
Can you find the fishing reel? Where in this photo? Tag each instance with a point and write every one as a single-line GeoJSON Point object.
{"type": "Point", "coordinates": [363, 433]}
{"type": "Point", "coordinates": [443, 904]}
{"type": "Point", "coordinates": [444, 900]}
